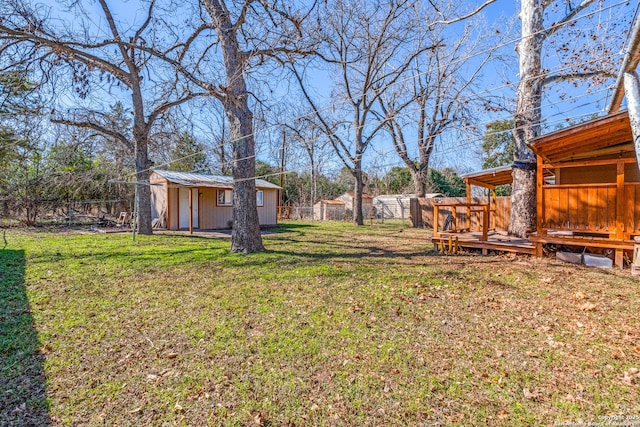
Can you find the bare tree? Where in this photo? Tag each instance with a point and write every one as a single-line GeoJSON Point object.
{"type": "Point", "coordinates": [370, 47]}
{"type": "Point", "coordinates": [248, 34]}
{"type": "Point", "coordinates": [306, 137]}
{"type": "Point", "coordinates": [118, 57]}
{"type": "Point", "coordinates": [549, 24]}
{"type": "Point", "coordinates": [439, 93]}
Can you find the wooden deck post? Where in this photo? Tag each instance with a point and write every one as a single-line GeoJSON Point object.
{"type": "Point", "coordinates": [436, 212]}
{"type": "Point", "coordinates": [619, 253]}
{"type": "Point", "coordinates": [485, 223]}
{"type": "Point", "coordinates": [493, 208]}
{"type": "Point", "coordinates": [620, 200]}
{"type": "Point", "coordinates": [539, 196]}
{"type": "Point", "coordinates": [468, 202]}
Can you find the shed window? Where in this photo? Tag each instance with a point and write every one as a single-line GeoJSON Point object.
{"type": "Point", "coordinates": [225, 197]}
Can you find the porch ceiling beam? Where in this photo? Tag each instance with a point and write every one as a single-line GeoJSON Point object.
{"type": "Point", "coordinates": [478, 183]}
{"type": "Point", "coordinates": [575, 164]}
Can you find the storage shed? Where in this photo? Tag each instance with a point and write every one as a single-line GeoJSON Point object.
{"type": "Point", "coordinates": [348, 199]}
{"type": "Point", "coordinates": [187, 201]}
{"type": "Point", "coordinates": [329, 210]}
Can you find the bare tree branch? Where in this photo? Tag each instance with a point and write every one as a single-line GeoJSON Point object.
{"type": "Point", "coordinates": [568, 17]}
{"type": "Point", "coordinates": [463, 17]}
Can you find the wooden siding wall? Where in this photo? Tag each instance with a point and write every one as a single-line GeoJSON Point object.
{"type": "Point", "coordinates": [212, 216]}
{"type": "Point", "coordinates": [268, 212]}
{"type": "Point", "coordinates": [172, 201]}
{"type": "Point", "coordinates": [632, 208]}
{"type": "Point", "coordinates": [596, 174]}
{"type": "Point", "coordinates": [159, 201]}
{"type": "Point", "coordinates": [421, 214]}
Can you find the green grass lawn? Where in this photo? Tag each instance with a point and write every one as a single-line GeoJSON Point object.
{"type": "Point", "coordinates": [333, 325]}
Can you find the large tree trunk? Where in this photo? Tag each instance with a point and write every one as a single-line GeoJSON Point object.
{"type": "Point", "coordinates": [143, 221]}
{"type": "Point", "coordinates": [527, 119]}
{"type": "Point", "coordinates": [245, 235]}
{"type": "Point", "coordinates": [419, 176]}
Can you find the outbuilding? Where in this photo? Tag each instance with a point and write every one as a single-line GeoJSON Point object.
{"type": "Point", "coordinates": [188, 201]}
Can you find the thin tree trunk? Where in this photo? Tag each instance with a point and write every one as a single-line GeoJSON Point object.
{"type": "Point", "coordinates": [314, 181]}
{"type": "Point", "coordinates": [527, 119]}
{"type": "Point", "coordinates": [358, 190]}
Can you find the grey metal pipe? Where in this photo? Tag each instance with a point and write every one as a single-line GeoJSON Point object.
{"type": "Point", "coordinates": [630, 62]}
{"type": "Point", "coordinates": [632, 92]}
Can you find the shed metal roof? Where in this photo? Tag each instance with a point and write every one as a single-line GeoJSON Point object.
{"type": "Point", "coordinates": [191, 179]}
{"type": "Point", "coordinates": [330, 202]}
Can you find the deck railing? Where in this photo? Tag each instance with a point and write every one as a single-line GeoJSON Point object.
{"type": "Point", "coordinates": [469, 207]}
{"type": "Point", "coordinates": [592, 208]}
{"type": "Point", "coordinates": [580, 207]}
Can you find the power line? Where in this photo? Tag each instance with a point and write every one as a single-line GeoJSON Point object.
{"type": "Point", "coordinates": [461, 59]}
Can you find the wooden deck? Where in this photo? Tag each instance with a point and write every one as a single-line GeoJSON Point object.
{"type": "Point", "coordinates": [495, 241]}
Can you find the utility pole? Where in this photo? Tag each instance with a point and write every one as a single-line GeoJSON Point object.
{"type": "Point", "coordinates": [284, 141]}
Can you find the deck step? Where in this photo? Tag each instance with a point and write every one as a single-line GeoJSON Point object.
{"type": "Point", "coordinates": [489, 245]}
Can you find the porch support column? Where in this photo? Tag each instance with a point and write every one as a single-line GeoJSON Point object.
{"type": "Point", "coordinates": [632, 92]}
{"type": "Point", "coordinates": [539, 204]}
{"type": "Point", "coordinates": [190, 210]}
{"type": "Point", "coordinates": [619, 253]}
{"type": "Point", "coordinates": [540, 196]}
{"type": "Point", "coordinates": [168, 193]}
{"type": "Point", "coordinates": [468, 202]}
{"type": "Point", "coordinates": [493, 208]}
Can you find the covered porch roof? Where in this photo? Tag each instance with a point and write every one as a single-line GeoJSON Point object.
{"type": "Point", "coordinates": [606, 136]}
{"type": "Point", "coordinates": [490, 178]}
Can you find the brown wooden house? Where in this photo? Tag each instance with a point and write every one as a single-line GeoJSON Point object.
{"type": "Point", "coordinates": [588, 186]}
{"type": "Point", "coordinates": [588, 193]}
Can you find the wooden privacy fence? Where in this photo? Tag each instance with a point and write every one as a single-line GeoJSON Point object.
{"type": "Point", "coordinates": [422, 212]}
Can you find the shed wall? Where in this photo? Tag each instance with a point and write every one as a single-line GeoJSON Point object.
{"type": "Point", "coordinates": [212, 216]}
{"type": "Point", "coordinates": [172, 208]}
{"type": "Point", "coordinates": [268, 212]}
{"type": "Point", "coordinates": [159, 202]}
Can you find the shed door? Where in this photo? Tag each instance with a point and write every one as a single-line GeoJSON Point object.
{"type": "Point", "coordinates": [183, 207]}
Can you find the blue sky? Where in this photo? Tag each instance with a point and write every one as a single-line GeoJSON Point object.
{"type": "Point", "coordinates": [500, 79]}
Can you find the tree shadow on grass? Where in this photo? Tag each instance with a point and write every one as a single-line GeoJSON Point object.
{"type": "Point", "coordinates": [23, 395]}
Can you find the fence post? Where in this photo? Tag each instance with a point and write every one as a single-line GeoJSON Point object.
{"type": "Point", "coordinates": [454, 219]}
